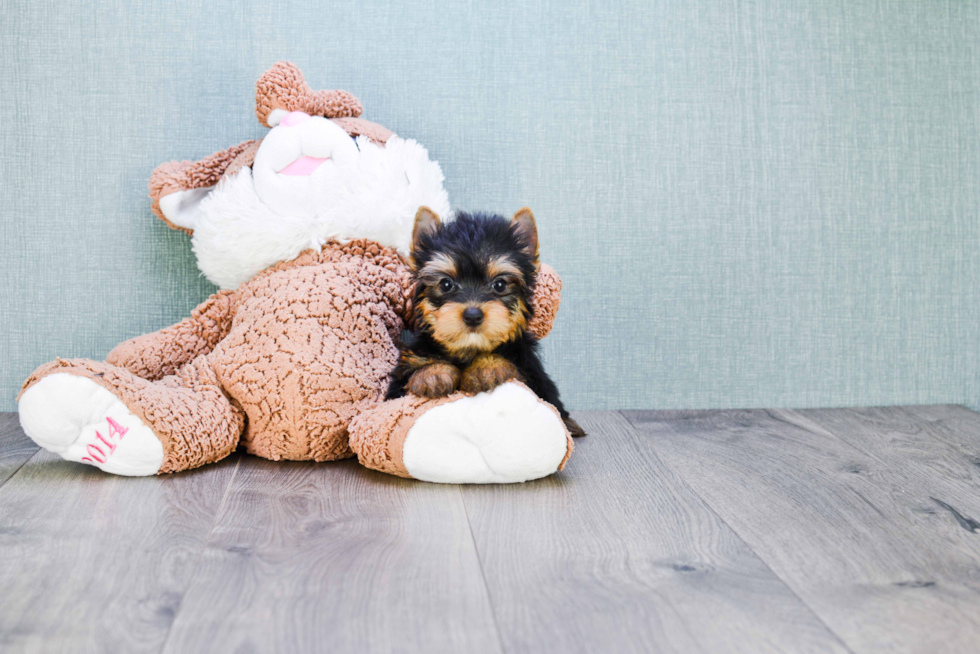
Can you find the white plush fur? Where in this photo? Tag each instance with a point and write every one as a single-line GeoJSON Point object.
{"type": "Point", "coordinates": [501, 437]}
{"type": "Point", "coordinates": [65, 413]}
{"type": "Point", "coordinates": [257, 218]}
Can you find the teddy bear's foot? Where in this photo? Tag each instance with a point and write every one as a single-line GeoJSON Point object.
{"type": "Point", "coordinates": [81, 421]}
{"type": "Point", "coordinates": [504, 436]}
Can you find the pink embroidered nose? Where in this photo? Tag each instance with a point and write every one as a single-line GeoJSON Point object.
{"type": "Point", "coordinates": [294, 118]}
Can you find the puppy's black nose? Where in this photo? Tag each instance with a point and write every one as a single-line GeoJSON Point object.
{"type": "Point", "coordinates": [472, 316]}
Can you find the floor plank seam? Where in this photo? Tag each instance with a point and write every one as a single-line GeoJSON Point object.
{"type": "Point", "coordinates": [803, 422]}
{"type": "Point", "coordinates": [19, 468]}
{"type": "Point", "coordinates": [204, 547]}
{"type": "Point", "coordinates": [762, 560]}
{"type": "Point", "coordinates": [483, 575]}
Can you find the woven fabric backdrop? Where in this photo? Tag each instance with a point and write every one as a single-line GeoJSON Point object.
{"type": "Point", "coordinates": [751, 203]}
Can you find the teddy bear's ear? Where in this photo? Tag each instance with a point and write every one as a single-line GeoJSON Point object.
{"type": "Point", "coordinates": [179, 210]}
{"type": "Point", "coordinates": [282, 89]}
{"type": "Point", "coordinates": [177, 187]}
{"type": "Point", "coordinates": [360, 127]}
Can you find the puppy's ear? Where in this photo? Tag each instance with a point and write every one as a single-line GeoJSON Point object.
{"type": "Point", "coordinates": [426, 223]}
{"type": "Point", "coordinates": [522, 224]}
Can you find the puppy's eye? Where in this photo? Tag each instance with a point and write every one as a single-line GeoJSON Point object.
{"type": "Point", "coordinates": [499, 286]}
{"type": "Point", "coordinates": [446, 285]}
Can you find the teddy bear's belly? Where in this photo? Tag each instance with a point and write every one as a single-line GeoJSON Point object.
{"type": "Point", "coordinates": [309, 350]}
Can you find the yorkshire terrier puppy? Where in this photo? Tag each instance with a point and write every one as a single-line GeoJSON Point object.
{"type": "Point", "coordinates": [474, 282]}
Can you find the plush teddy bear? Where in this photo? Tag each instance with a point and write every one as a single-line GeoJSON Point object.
{"type": "Point", "coordinates": [307, 232]}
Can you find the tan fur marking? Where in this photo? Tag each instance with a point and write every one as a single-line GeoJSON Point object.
{"type": "Point", "coordinates": [520, 320]}
{"type": "Point", "coordinates": [434, 380]}
{"type": "Point", "coordinates": [502, 265]}
{"type": "Point", "coordinates": [411, 360]}
{"type": "Point", "coordinates": [523, 222]}
{"type": "Point", "coordinates": [440, 264]}
{"type": "Point", "coordinates": [426, 221]}
{"type": "Point", "coordinates": [428, 312]}
{"type": "Point", "coordinates": [449, 329]}
{"type": "Point", "coordinates": [486, 373]}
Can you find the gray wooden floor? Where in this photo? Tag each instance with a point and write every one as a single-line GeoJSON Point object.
{"type": "Point", "coordinates": [844, 530]}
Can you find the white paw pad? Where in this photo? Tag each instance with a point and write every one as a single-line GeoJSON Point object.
{"type": "Point", "coordinates": [81, 421]}
{"type": "Point", "coordinates": [500, 437]}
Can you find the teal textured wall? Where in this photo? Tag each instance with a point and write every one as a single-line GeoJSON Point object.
{"type": "Point", "coordinates": [751, 203]}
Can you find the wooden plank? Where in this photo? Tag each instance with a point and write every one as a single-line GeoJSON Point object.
{"type": "Point", "coordinates": [617, 554]}
{"type": "Point", "coordinates": [858, 539]}
{"type": "Point", "coordinates": [954, 425]}
{"type": "Point", "coordinates": [333, 557]}
{"type": "Point", "coordinates": [916, 451]}
{"type": "Point", "coordinates": [15, 447]}
{"type": "Point", "coordinates": [91, 562]}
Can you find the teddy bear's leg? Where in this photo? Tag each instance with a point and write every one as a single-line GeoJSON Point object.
{"type": "Point", "coordinates": [504, 436]}
{"type": "Point", "coordinates": [107, 417]}
{"type": "Point", "coordinates": [159, 354]}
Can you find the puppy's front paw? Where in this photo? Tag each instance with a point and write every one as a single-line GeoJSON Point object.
{"type": "Point", "coordinates": [487, 373]}
{"type": "Point", "coordinates": [434, 380]}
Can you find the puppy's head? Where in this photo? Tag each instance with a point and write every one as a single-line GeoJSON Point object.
{"type": "Point", "coordinates": [475, 276]}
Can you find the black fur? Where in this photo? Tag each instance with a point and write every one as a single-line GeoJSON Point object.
{"type": "Point", "coordinates": [471, 241]}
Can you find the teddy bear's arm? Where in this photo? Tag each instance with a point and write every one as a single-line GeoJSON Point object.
{"type": "Point", "coordinates": [547, 297]}
{"type": "Point", "coordinates": [154, 356]}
